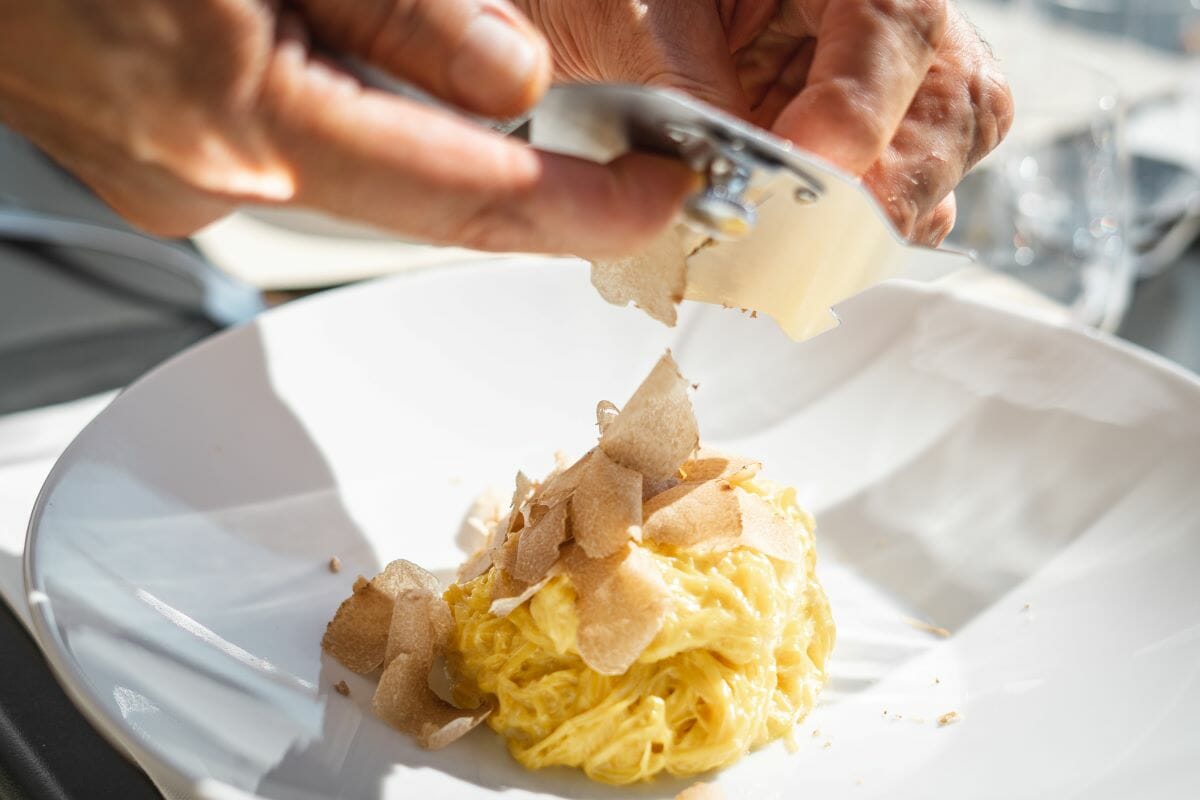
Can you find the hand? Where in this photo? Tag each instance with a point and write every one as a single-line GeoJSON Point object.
{"type": "Point", "coordinates": [177, 111]}
{"type": "Point", "coordinates": [903, 93]}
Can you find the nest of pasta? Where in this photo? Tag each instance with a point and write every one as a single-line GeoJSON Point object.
{"type": "Point", "coordinates": [651, 607]}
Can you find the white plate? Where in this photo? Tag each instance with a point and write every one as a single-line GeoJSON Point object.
{"type": "Point", "coordinates": [1031, 489]}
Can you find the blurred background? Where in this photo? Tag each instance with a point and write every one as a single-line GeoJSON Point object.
{"type": "Point", "coordinates": [1091, 207]}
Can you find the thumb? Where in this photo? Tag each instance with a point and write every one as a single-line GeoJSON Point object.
{"type": "Point", "coordinates": [482, 55]}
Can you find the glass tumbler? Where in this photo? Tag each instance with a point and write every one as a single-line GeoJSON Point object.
{"type": "Point", "coordinates": [1049, 205]}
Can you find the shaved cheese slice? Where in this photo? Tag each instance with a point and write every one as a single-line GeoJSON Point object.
{"type": "Point", "coordinates": [803, 259]}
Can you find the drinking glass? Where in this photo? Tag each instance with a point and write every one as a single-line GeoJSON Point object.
{"type": "Point", "coordinates": [1163, 130]}
{"type": "Point", "coordinates": [1049, 205]}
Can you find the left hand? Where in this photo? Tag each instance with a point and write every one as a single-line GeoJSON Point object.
{"type": "Point", "coordinates": [903, 93]}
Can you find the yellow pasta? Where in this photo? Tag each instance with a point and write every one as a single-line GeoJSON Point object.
{"type": "Point", "coordinates": [737, 664]}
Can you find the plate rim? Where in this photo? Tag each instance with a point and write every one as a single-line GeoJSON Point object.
{"type": "Point", "coordinates": [116, 730]}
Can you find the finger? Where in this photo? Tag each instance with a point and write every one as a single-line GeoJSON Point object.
{"type": "Point", "coordinates": [400, 165]}
{"type": "Point", "coordinates": [961, 112]}
{"type": "Point", "coordinates": [760, 64]}
{"type": "Point", "coordinates": [482, 55]}
{"type": "Point", "coordinates": [871, 57]}
{"type": "Point", "coordinates": [145, 194]}
{"type": "Point", "coordinates": [788, 80]}
{"type": "Point", "coordinates": [686, 48]}
{"type": "Point", "coordinates": [933, 228]}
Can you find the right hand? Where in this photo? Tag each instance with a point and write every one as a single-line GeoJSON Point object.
{"type": "Point", "coordinates": [177, 111]}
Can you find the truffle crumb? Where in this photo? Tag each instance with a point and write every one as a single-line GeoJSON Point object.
{"type": "Point", "coordinates": [928, 628]}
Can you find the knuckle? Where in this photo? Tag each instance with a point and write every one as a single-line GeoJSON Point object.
{"type": "Point", "coordinates": [902, 208]}
{"type": "Point", "coordinates": [941, 221]}
{"type": "Point", "coordinates": [842, 103]}
{"type": "Point", "coordinates": [992, 104]}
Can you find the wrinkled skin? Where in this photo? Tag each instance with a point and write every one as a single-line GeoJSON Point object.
{"type": "Point", "coordinates": [177, 111]}
{"type": "Point", "coordinates": [901, 92]}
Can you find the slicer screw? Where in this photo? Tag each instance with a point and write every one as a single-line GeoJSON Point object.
{"type": "Point", "coordinates": [720, 210]}
{"type": "Point", "coordinates": [805, 195]}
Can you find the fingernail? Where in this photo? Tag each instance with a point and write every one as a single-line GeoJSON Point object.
{"type": "Point", "coordinates": [494, 66]}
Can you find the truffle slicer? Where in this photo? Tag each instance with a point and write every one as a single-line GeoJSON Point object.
{"type": "Point", "coordinates": [790, 235]}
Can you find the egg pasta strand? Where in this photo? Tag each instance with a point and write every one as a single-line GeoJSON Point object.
{"type": "Point", "coordinates": [737, 664]}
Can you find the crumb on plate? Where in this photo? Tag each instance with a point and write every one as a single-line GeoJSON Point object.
{"type": "Point", "coordinates": [949, 718]}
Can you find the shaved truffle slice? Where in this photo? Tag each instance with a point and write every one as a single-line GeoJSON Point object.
{"type": "Point", "coordinates": [709, 465]}
{"type": "Point", "coordinates": [358, 633]}
{"type": "Point", "coordinates": [537, 547]}
{"type": "Point", "coordinates": [420, 631]}
{"type": "Point", "coordinates": [413, 604]}
{"type": "Point", "coordinates": [562, 485]}
{"type": "Point", "coordinates": [694, 514]}
{"type": "Point", "coordinates": [606, 509]}
{"type": "Point", "coordinates": [656, 430]}
{"type": "Point", "coordinates": [475, 565]}
{"type": "Point", "coordinates": [504, 556]}
{"type": "Point", "coordinates": [621, 601]}
{"type": "Point", "coordinates": [477, 535]}
{"type": "Point", "coordinates": [715, 516]}
{"type": "Point", "coordinates": [401, 575]}
{"type": "Point", "coordinates": [767, 532]}
{"type": "Point", "coordinates": [606, 412]}
{"type": "Point", "coordinates": [521, 494]}
{"type": "Point", "coordinates": [654, 280]}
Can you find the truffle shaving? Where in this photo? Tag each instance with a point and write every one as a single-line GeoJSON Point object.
{"type": "Point", "coordinates": [654, 280]}
{"type": "Point", "coordinates": [656, 430]}
{"type": "Point", "coordinates": [562, 485]}
{"type": "Point", "coordinates": [358, 633]}
{"type": "Point", "coordinates": [537, 547]}
{"type": "Point", "coordinates": [420, 630]}
{"type": "Point", "coordinates": [714, 516]}
{"type": "Point", "coordinates": [606, 509]}
{"type": "Point", "coordinates": [621, 602]}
